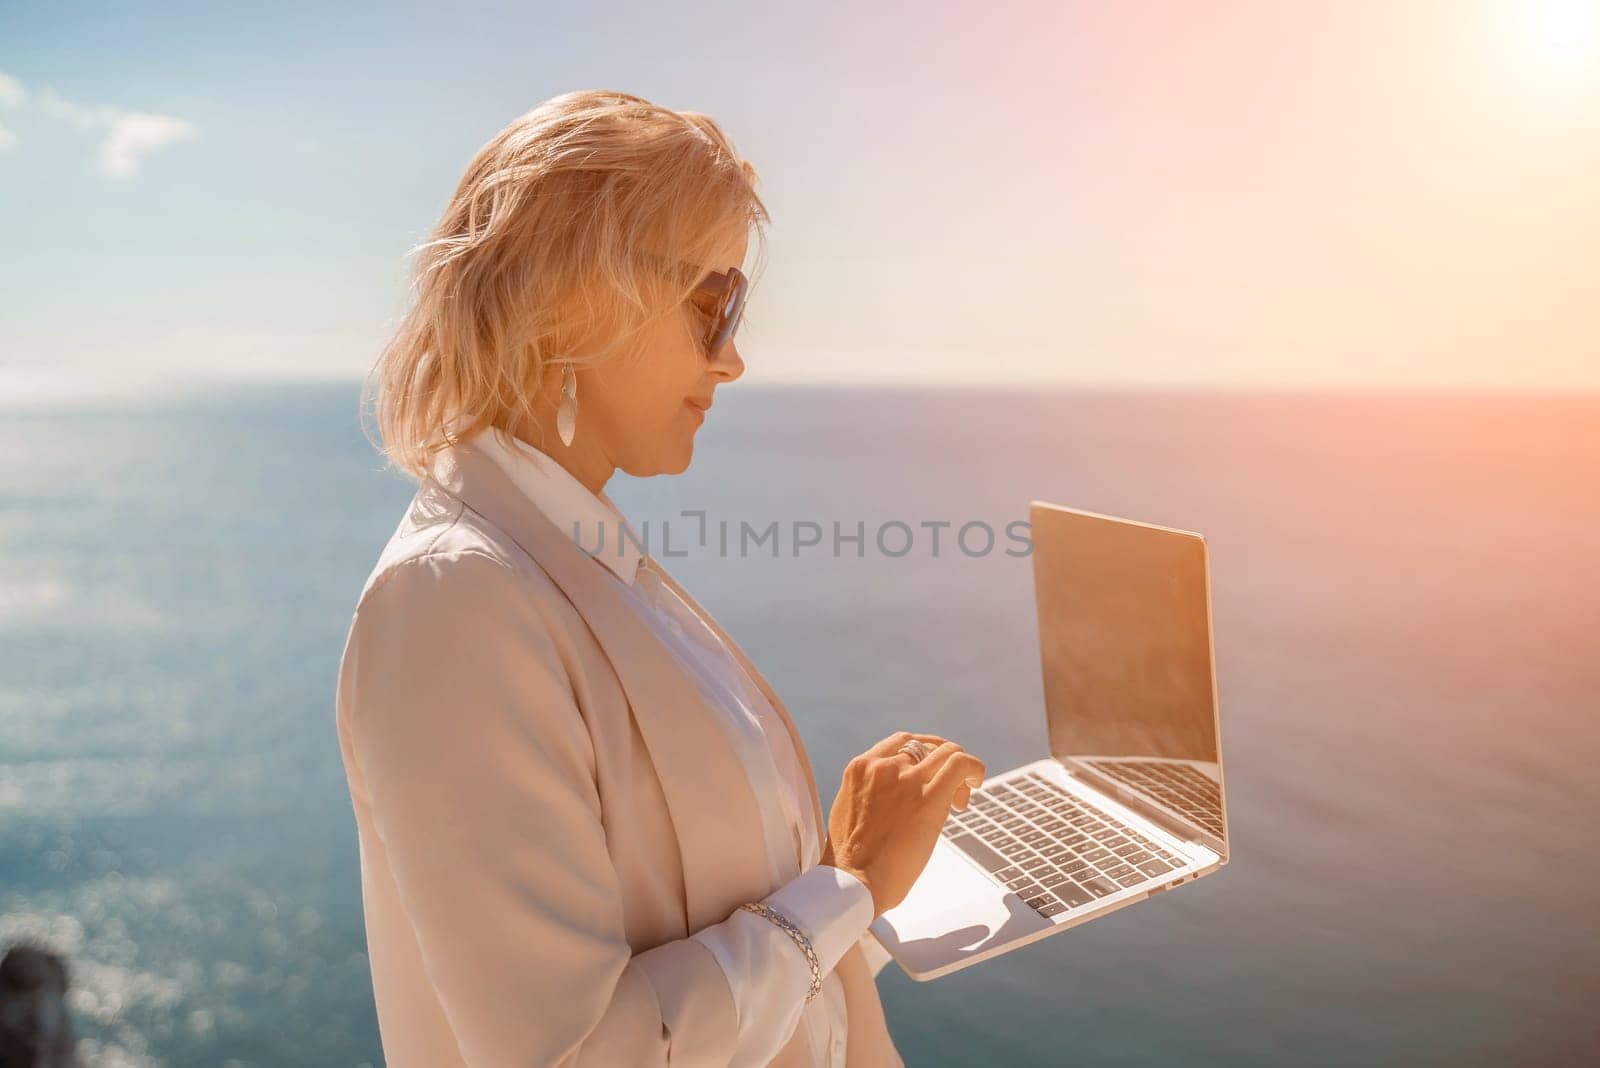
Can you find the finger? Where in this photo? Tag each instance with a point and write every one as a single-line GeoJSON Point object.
{"type": "Point", "coordinates": [963, 795]}
{"type": "Point", "coordinates": [887, 747]}
{"type": "Point", "coordinates": [929, 765]}
{"type": "Point", "coordinates": [958, 769]}
{"type": "Point", "coordinates": [931, 741]}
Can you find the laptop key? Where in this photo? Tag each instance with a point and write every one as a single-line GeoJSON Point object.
{"type": "Point", "coordinates": [978, 851]}
{"type": "Point", "coordinates": [1153, 868]}
{"type": "Point", "coordinates": [1044, 904]}
{"type": "Point", "coordinates": [1053, 880]}
{"type": "Point", "coordinates": [1072, 894]}
{"type": "Point", "coordinates": [996, 839]}
{"type": "Point", "coordinates": [1008, 873]}
{"type": "Point", "coordinates": [1100, 886]}
{"type": "Point", "coordinates": [1133, 879]}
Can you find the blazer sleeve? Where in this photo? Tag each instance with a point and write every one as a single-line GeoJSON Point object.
{"type": "Point", "coordinates": [480, 775]}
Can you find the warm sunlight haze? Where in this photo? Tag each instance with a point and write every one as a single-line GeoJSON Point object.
{"type": "Point", "coordinates": [1371, 195]}
{"type": "Point", "coordinates": [1119, 384]}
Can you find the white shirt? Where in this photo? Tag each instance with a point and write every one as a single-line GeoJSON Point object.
{"type": "Point", "coordinates": [766, 970]}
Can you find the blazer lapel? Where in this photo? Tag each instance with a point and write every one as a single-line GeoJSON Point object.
{"type": "Point", "coordinates": [770, 694]}
{"type": "Point", "coordinates": [714, 810]}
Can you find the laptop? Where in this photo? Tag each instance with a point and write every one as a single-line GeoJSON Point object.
{"type": "Point", "coordinates": [1129, 802]}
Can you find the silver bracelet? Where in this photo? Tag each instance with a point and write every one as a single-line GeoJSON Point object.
{"type": "Point", "coordinates": [800, 939]}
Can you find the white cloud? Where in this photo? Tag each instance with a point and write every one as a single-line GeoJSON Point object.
{"type": "Point", "coordinates": [12, 94]}
{"type": "Point", "coordinates": [7, 139]}
{"type": "Point", "coordinates": [130, 135]}
{"type": "Point", "coordinates": [136, 134]}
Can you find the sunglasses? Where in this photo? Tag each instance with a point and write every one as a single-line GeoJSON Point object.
{"type": "Point", "coordinates": [727, 289]}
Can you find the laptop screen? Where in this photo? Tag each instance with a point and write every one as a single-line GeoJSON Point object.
{"type": "Point", "coordinates": [1128, 666]}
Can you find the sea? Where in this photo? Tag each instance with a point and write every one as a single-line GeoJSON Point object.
{"type": "Point", "coordinates": [1406, 603]}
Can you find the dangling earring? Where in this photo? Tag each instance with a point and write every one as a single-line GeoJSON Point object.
{"type": "Point", "coordinates": [567, 413]}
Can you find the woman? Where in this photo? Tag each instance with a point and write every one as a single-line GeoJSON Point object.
{"type": "Point", "coordinates": [589, 831]}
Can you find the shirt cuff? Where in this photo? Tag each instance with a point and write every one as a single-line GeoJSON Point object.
{"type": "Point", "coordinates": [830, 905]}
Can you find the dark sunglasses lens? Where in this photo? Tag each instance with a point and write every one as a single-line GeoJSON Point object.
{"type": "Point", "coordinates": [731, 314]}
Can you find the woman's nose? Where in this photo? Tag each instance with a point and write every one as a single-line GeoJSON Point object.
{"type": "Point", "coordinates": [727, 362]}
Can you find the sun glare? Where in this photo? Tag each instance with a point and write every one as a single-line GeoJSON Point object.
{"type": "Point", "coordinates": [1566, 29]}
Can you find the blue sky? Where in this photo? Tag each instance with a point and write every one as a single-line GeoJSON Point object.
{"type": "Point", "coordinates": [1388, 194]}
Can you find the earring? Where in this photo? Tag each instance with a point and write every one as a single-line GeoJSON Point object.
{"type": "Point", "coordinates": [567, 413]}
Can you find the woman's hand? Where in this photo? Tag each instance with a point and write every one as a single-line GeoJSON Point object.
{"type": "Point", "coordinates": [890, 809]}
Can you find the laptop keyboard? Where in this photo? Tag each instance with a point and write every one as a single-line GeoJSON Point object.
{"type": "Point", "coordinates": [1049, 848]}
{"type": "Point", "coordinates": [1178, 786]}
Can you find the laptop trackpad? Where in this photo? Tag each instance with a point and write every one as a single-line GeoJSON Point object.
{"type": "Point", "coordinates": [953, 911]}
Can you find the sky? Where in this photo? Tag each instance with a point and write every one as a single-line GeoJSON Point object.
{"type": "Point", "coordinates": [1391, 194]}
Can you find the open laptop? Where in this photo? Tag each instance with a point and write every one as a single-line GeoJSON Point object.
{"type": "Point", "coordinates": [1130, 801]}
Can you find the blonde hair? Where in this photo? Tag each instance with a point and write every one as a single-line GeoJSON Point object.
{"type": "Point", "coordinates": [546, 248]}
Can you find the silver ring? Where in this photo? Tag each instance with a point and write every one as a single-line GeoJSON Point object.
{"type": "Point", "coordinates": [917, 748]}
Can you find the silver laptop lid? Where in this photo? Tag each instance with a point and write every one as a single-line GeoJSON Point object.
{"type": "Point", "coordinates": [1129, 667]}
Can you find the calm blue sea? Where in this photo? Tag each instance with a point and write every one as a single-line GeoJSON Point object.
{"type": "Point", "coordinates": [1407, 605]}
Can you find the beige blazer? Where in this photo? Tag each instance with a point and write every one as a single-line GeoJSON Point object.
{"type": "Point", "coordinates": [546, 806]}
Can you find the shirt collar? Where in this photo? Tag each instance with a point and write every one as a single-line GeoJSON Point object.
{"type": "Point", "coordinates": [596, 525]}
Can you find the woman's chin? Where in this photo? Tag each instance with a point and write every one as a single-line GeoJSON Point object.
{"type": "Point", "coordinates": [681, 462]}
{"type": "Point", "coordinates": [668, 462]}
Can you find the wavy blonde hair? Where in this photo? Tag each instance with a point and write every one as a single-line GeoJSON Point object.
{"type": "Point", "coordinates": [577, 227]}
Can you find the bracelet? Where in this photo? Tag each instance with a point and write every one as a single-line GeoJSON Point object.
{"type": "Point", "coordinates": [800, 939]}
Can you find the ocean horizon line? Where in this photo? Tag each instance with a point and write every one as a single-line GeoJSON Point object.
{"type": "Point", "coordinates": [33, 388]}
